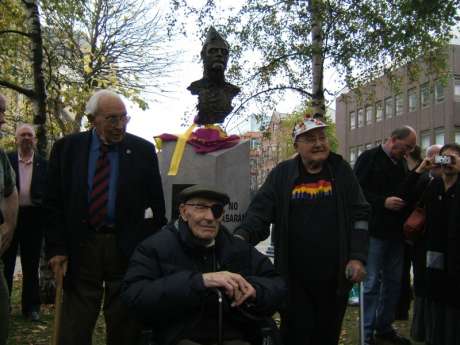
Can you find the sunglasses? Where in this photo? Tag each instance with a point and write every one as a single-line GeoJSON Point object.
{"type": "Point", "coordinates": [217, 210]}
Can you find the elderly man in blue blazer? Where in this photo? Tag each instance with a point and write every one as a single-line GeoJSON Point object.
{"type": "Point", "coordinates": [104, 196]}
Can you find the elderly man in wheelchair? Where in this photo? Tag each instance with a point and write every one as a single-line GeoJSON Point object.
{"type": "Point", "coordinates": [196, 284]}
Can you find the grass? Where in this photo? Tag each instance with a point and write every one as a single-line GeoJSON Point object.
{"type": "Point", "coordinates": [23, 332]}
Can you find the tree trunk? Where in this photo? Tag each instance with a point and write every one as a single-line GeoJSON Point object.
{"type": "Point", "coordinates": [39, 79]}
{"type": "Point", "coordinates": [47, 287]}
{"type": "Point", "coordinates": [318, 104]}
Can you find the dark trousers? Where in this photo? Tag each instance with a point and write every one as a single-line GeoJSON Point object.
{"type": "Point", "coordinates": [4, 306]}
{"type": "Point", "coordinates": [28, 236]}
{"type": "Point", "coordinates": [98, 286]}
{"type": "Point", "coordinates": [314, 313]}
{"type": "Point", "coordinates": [405, 299]}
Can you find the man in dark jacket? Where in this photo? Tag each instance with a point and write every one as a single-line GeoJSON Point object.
{"type": "Point", "coordinates": [194, 282]}
{"type": "Point", "coordinates": [320, 234]}
{"type": "Point", "coordinates": [382, 171]}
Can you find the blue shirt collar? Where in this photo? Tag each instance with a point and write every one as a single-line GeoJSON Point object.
{"type": "Point", "coordinates": [96, 142]}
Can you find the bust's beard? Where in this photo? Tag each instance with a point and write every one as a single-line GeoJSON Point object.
{"type": "Point", "coordinates": [216, 75]}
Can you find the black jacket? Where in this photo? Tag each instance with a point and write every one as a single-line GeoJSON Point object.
{"type": "Point", "coordinates": [39, 171]}
{"type": "Point", "coordinates": [66, 201]}
{"type": "Point", "coordinates": [271, 206]}
{"type": "Point", "coordinates": [164, 284]}
{"type": "Point", "coordinates": [380, 178]}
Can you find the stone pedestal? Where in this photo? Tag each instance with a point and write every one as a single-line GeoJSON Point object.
{"type": "Point", "coordinates": [228, 169]}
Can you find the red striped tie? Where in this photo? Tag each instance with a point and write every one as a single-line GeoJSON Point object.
{"type": "Point", "coordinates": [100, 193]}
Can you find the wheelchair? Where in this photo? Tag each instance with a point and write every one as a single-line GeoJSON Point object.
{"type": "Point", "coordinates": [268, 333]}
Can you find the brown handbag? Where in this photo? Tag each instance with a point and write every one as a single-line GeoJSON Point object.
{"type": "Point", "coordinates": [414, 226]}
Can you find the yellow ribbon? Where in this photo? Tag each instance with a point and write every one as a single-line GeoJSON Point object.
{"type": "Point", "coordinates": [179, 151]}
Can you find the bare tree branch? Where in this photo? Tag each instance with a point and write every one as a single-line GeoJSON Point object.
{"type": "Point", "coordinates": [22, 90]}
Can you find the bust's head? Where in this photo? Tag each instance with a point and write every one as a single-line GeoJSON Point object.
{"type": "Point", "coordinates": [215, 51]}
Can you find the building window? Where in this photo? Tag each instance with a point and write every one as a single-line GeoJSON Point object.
{"type": "Point", "coordinates": [439, 136]}
{"type": "Point", "coordinates": [425, 140]}
{"type": "Point", "coordinates": [352, 120]}
{"type": "Point", "coordinates": [388, 107]}
{"type": "Point", "coordinates": [425, 95]}
{"type": "Point", "coordinates": [457, 136]}
{"type": "Point", "coordinates": [352, 155]}
{"type": "Point", "coordinates": [412, 99]}
{"type": "Point", "coordinates": [369, 114]}
{"type": "Point", "coordinates": [439, 91]}
{"type": "Point", "coordinates": [378, 111]}
{"type": "Point", "coordinates": [361, 117]}
{"type": "Point", "coordinates": [457, 90]}
{"type": "Point", "coordinates": [399, 104]}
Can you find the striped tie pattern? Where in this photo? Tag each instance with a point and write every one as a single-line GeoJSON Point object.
{"type": "Point", "coordinates": [100, 192]}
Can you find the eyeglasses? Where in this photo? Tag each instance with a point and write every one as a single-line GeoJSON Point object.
{"type": "Point", "coordinates": [217, 210]}
{"type": "Point", "coordinates": [115, 120]}
{"type": "Point", "coordinates": [312, 140]}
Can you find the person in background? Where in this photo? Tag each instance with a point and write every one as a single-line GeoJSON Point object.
{"type": "Point", "coordinates": [416, 191]}
{"type": "Point", "coordinates": [413, 160]}
{"type": "Point", "coordinates": [382, 172]}
{"type": "Point", "coordinates": [441, 310]}
{"type": "Point", "coordinates": [31, 170]}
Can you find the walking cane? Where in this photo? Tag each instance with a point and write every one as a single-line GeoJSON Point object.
{"type": "Point", "coordinates": [361, 313]}
{"type": "Point", "coordinates": [57, 309]}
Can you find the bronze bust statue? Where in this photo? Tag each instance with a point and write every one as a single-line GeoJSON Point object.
{"type": "Point", "coordinates": [214, 93]}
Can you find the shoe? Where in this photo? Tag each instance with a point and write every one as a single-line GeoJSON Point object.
{"type": "Point", "coordinates": [352, 301]}
{"type": "Point", "coordinates": [393, 338]}
{"type": "Point", "coordinates": [33, 316]}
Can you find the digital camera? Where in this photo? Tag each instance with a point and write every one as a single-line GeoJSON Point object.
{"type": "Point", "coordinates": [443, 160]}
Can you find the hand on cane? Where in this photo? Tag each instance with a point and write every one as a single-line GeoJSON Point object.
{"type": "Point", "coordinates": [58, 265]}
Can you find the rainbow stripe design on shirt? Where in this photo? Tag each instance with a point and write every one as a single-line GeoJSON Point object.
{"type": "Point", "coordinates": [313, 190]}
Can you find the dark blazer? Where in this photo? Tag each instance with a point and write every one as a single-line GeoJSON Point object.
{"type": "Point", "coordinates": [66, 200]}
{"type": "Point", "coordinates": [380, 178]}
{"type": "Point", "coordinates": [39, 171]}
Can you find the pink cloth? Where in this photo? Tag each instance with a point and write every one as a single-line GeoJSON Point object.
{"type": "Point", "coordinates": [205, 140]}
{"type": "Point", "coordinates": [25, 180]}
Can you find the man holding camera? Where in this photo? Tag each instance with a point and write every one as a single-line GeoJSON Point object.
{"type": "Point", "coordinates": [382, 171]}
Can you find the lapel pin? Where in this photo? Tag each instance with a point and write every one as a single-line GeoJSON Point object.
{"type": "Point", "coordinates": [128, 151]}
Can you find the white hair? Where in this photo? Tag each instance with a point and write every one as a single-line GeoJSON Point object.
{"type": "Point", "coordinates": [25, 125]}
{"type": "Point", "coordinates": [93, 102]}
{"type": "Point", "coordinates": [432, 150]}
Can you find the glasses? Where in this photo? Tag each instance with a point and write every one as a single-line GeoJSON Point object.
{"type": "Point", "coordinates": [115, 120]}
{"type": "Point", "coordinates": [312, 140]}
{"type": "Point", "coordinates": [217, 210]}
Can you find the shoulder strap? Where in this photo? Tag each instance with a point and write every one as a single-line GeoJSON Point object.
{"type": "Point", "coordinates": [423, 199]}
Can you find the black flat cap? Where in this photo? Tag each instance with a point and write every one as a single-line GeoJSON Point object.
{"type": "Point", "coordinates": [203, 191]}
